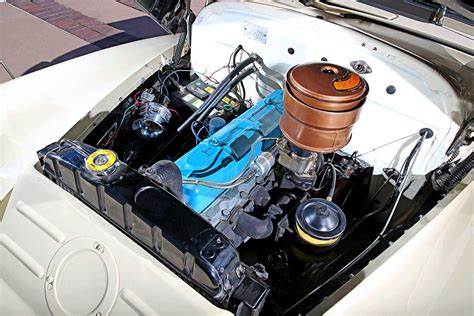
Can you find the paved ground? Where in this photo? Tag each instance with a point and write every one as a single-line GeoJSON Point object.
{"type": "Point", "coordinates": [38, 33]}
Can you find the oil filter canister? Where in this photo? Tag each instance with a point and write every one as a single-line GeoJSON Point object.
{"type": "Point", "coordinates": [319, 222]}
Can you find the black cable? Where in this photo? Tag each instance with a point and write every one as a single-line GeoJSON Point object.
{"type": "Point", "coordinates": [250, 60]}
{"type": "Point", "coordinates": [242, 94]}
{"type": "Point", "coordinates": [359, 221]}
{"type": "Point", "coordinates": [242, 91]}
{"type": "Point", "coordinates": [226, 82]}
{"type": "Point", "coordinates": [211, 105]}
{"type": "Point", "coordinates": [408, 167]}
{"type": "Point", "coordinates": [337, 274]}
{"type": "Point", "coordinates": [390, 199]}
{"type": "Point", "coordinates": [407, 162]}
{"type": "Point", "coordinates": [333, 182]}
{"type": "Point", "coordinates": [253, 58]}
{"type": "Point", "coordinates": [231, 63]}
{"type": "Point", "coordinates": [446, 181]}
{"type": "Point", "coordinates": [370, 200]}
{"type": "Point", "coordinates": [224, 163]}
{"type": "Point", "coordinates": [224, 91]}
{"type": "Point", "coordinates": [198, 171]}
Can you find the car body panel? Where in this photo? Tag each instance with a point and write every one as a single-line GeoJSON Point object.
{"type": "Point", "coordinates": [427, 271]}
{"type": "Point", "coordinates": [448, 36]}
{"type": "Point", "coordinates": [417, 102]}
{"type": "Point", "coordinates": [41, 219]}
{"type": "Point", "coordinates": [56, 98]}
{"type": "Point", "coordinates": [54, 226]}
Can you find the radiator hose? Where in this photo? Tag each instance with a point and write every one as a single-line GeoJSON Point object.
{"type": "Point", "coordinates": [444, 181]}
{"type": "Point", "coordinates": [167, 174]}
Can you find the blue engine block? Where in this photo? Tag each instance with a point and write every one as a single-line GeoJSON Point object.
{"type": "Point", "coordinates": [222, 156]}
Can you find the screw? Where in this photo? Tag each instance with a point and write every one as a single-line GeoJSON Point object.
{"type": "Point", "coordinates": [49, 282]}
{"type": "Point", "coordinates": [219, 241]}
{"type": "Point", "coordinates": [99, 247]}
{"type": "Point", "coordinates": [120, 99]}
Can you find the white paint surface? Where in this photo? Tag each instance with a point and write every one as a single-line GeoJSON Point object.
{"type": "Point", "coordinates": [39, 108]}
{"type": "Point", "coordinates": [423, 97]}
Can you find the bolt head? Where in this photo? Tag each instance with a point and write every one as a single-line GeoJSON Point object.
{"type": "Point", "coordinates": [99, 247]}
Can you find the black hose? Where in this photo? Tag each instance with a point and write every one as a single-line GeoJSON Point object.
{"type": "Point", "coordinates": [444, 182]}
{"type": "Point", "coordinates": [209, 105]}
{"type": "Point", "coordinates": [409, 165]}
{"type": "Point", "coordinates": [253, 58]}
{"type": "Point", "coordinates": [234, 63]}
{"type": "Point", "coordinates": [246, 62]}
{"type": "Point", "coordinates": [212, 105]}
{"type": "Point", "coordinates": [167, 174]}
{"type": "Point", "coordinates": [404, 168]}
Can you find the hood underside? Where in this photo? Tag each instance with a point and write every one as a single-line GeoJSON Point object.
{"type": "Point", "coordinates": [168, 13]}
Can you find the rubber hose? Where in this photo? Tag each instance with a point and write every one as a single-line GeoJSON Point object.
{"type": "Point", "coordinates": [167, 173]}
{"type": "Point", "coordinates": [447, 181]}
{"type": "Point", "coordinates": [225, 90]}
{"type": "Point", "coordinates": [223, 83]}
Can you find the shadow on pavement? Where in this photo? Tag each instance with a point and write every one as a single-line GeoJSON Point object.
{"type": "Point", "coordinates": [141, 27]}
{"type": "Point", "coordinates": [133, 30]}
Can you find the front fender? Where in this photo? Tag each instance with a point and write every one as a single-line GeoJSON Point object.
{"type": "Point", "coordinates": [41, 107]}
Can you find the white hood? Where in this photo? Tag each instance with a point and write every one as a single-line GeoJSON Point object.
{"type": "Point", "coordinates": [41, 107]}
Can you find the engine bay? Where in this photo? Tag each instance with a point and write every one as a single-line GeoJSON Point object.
{"type": "Point", "coordinates": [255, 205]}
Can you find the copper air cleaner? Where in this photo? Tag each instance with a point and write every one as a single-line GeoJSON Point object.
{"type": "Point", "coordinates": [322, 102]}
